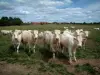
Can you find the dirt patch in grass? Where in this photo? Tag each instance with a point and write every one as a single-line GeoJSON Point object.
{"type": "Point", "coordinates": [13, 69]}
{"type": "Point", "coordinates": [95, 63]}
{"type": "Point", "coordinates": [49, 68]}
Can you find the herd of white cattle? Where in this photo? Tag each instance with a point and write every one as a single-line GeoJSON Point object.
{"type": "Point", "coordinates": [58, 40]}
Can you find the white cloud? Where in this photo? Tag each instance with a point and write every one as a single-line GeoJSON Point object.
{"type": "Point", "coordinates": [89, 17]}
{"type": "Point", "coordinates": [24, 12]}
{"type": "Point", "coordinates": [48, 10]}
{"type": "Point", "coordinates": [50, 3]}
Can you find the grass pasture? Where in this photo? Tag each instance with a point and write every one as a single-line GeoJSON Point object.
{"type": "Point", "coordinates": [49, 27]}
{"type": "Point", "coordinates": [24, 63]}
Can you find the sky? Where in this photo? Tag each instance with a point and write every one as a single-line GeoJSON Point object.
{"type": "Point", "coordinates": [52, 10]}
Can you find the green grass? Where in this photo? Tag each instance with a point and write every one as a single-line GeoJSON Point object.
{"type": "Point", "coordinates": [6, 50]}
{"type": "Point", "coordinates": [87, 68]}
{"type": "Point", "coordinates": [49, 27]}
{"type": "Point", "coordinates": [54, 68]}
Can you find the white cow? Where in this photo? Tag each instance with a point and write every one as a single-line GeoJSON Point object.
{"type": "Point", "coordinates": [5, 32]}
{"type": "Point", "coordinates": [65, 27]}
{"type": "Point", "coordinates": [35, 38]}
{"type": "Point", "coordinates": [40, 35]}
{"type": "Point", "coordinates": [16, 39]}
{"type": "Point", "coordinates": [72, 27]}
{"type": "Point", "coordinates": [57, 35]}
{"type": "Point", "coordinates": [66, 40]}
{"type": "Point", "coordinates": [35, 34]}
{"type": "Point", "coordinates": [71, 42]}
{"type": "Point", "coordinates": [97, 28]}
{"type": "Point", "coordinates": [56, 40]}
{"type": "Point", "coordinates": [85, 35]}
{"type": "Point", "coordinates": [50, 39]}
{"type": "Point", "coordinates": [76, 34]}
{"type": "Point", "coordinates": [25, 37]}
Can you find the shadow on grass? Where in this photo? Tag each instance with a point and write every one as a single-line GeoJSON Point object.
{"type": "Point", "coordinates": [41, 53]}
{"type": "Point", "coordinates": [47, 54]}
{"type": "Point", "coordinates": [87, 68]}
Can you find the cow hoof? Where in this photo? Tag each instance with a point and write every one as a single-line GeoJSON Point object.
{"type": "Point", "coordinates": [75, 60]}
{"type": "Point", "coordinates": [70, 62]}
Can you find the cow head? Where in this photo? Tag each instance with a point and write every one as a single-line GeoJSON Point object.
{"type": "Point", "coordinates": [57, 34]}
{"type": "Point", "coordinates": [78, 35]}
{"type": "Point", "coordinates": [86, 33]}
{"type": "Point", "coordinates": [41, 35]}
{"type": "Point", "coordinates": [35, 33]}
{"type": "Point", "coordinates": [16, 33]}
{"type": "Point", "coordinates": [80, 39]}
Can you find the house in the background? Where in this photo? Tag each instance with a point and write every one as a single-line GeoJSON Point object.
{"type": "Point", "coordinates": [39, 23]}
{"type": "Point", "coordinates": [35, 23]}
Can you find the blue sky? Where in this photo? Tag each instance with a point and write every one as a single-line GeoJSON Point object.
{"type": "Point", "coordinates": [52, 10]}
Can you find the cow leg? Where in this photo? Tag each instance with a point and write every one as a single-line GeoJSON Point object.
{"type": "Point", "coordinates": [24, 46]}
{"type": "Point", "coordinates": [53, 50]}
{"type": "Point", "coordinates": [84, 42]}
{"type": "Point", "coordinates": [18, 47]}
{"type": "Point", "coordinates": [44, 43]}
{"type": "Point", "coordinates": [70, 54]}
{"type": "Point", "coordinates": [74, 53]}
{"type": "Point", "coordinates": [54, 55]}
{"type": "Point", "coordinates": [57, 49]}
{"type": "Point", "coordinates": [15, 47]}
{"type": "Point", "coordinates": [34, 48]}
{"type": "Point", "coordinates": [29, 48]}
{"type": "Point", "coordinates": [84, 45]}
{"type": "Point", "coordinates": [63, 49]}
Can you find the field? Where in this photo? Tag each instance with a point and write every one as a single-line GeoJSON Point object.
{"type": "Point", "coordinates": [41, 63]}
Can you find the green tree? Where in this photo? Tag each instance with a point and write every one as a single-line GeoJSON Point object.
{"type": "Point", "coordinates": [4, 21]}
{"type": "Point", "coordinates": [10, 21]}
{"type": "Point", "coordinates": [17, 21]}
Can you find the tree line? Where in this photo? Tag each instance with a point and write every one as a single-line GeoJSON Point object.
{"type": "Point", "coordinates": [9, 21]}
{"type": "Point", "coordinates": [84, 23]}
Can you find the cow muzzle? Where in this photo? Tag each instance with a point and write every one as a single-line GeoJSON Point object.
{"type": "Point", "coordinates": [57, 39]}
{"type": "Point", "coordinates": [35, 39]}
